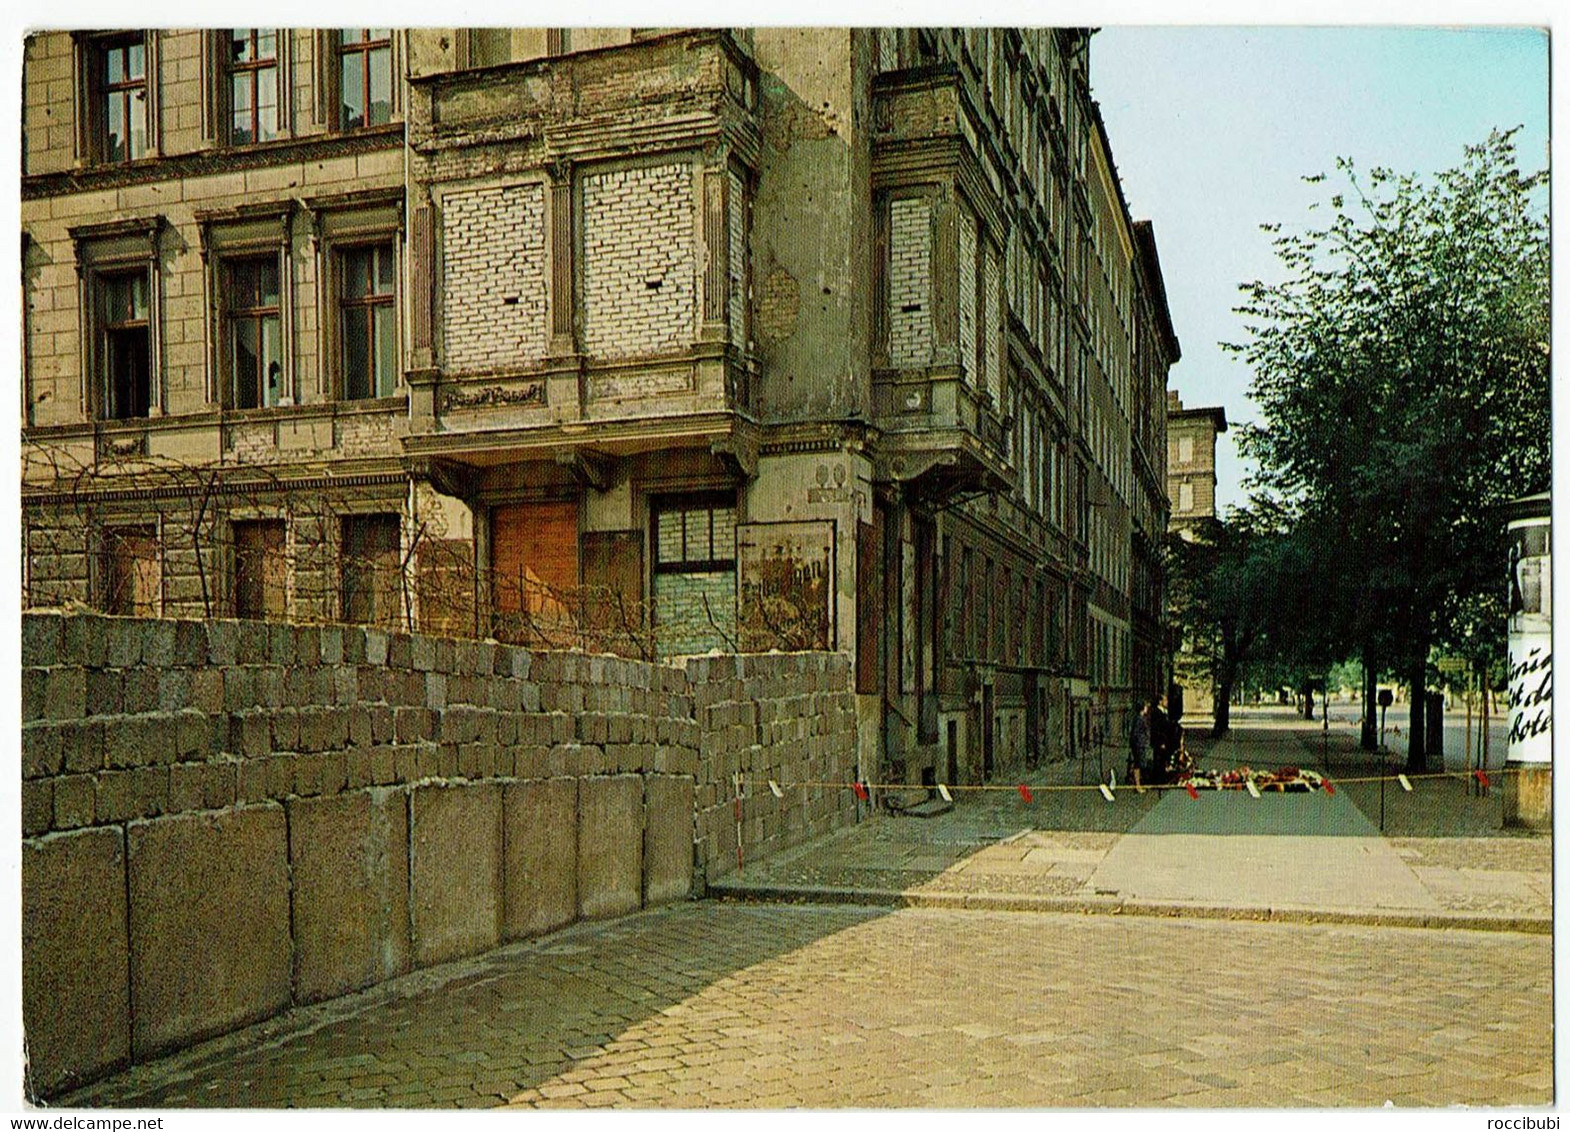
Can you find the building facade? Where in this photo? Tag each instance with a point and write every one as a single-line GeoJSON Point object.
{"type": "Point", "coordinates": [1191, 462]}
{"type": "Point", "coordinates": [653, 342]}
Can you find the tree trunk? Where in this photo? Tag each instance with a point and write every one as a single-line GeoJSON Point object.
{"type": "Point", "coordinates": [1226, 675]}
{"type": "Point", "coordinates": [1369, 740]}
{"type": "Point", "coordinates": [1416, 748]}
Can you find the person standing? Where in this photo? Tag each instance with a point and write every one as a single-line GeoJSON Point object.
{"type": "Point", "coordinates": [1139, 750]}
{"type": "Point", "coordinates": [1160, 741]}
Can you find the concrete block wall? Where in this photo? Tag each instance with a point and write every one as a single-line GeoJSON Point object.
{"type": "Point", "coordinates": [790, 717]}
{"type": "Point", "coordinates": [221, 819]}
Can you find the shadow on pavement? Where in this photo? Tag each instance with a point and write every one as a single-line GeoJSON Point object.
{"type": "Point", "coordinates": [479, 1032]}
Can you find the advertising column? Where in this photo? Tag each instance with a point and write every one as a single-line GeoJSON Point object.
{"type": "Point", "coordinates": [1529, 761]}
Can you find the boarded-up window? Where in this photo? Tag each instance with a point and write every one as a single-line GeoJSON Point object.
{"type": "Point", "coordinates": [372, 573]}
{"type": "Point", "coordinates": [130, 571]}
{"type": "Point", "coordinates": [260, 570]}
{"type": "Point", "coordinates": [534, 572]}
{"type": "Point", "coordinates": [695, 574]}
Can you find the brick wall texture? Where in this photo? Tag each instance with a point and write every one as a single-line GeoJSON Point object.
{"type": "Point", "coordinates": [493, 265]}
{"type": "Point", "coordinates": [910, 282]}
{"type": "Point", "coordinates": [639, 262]}
{"type": "Point", "coordinates": [694, 613]}
{"type": "Point", "coordinates": [370, 779]}
{"type": "Point", "coordinates": [967, 294]}
{"type": "Point", "coordinates": [736, 268]}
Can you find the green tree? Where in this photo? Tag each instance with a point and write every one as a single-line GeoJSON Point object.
{"type": "Point", "coordinates": [1242, 592]}
{"type": "Point", "coordinates": [1401, 368]}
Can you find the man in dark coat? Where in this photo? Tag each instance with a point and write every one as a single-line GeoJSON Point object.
{"type": "Point", "coordinates": [1161, 745]}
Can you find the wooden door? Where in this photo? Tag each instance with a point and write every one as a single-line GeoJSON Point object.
{"type": "Point", "coordinates": [534, 572]}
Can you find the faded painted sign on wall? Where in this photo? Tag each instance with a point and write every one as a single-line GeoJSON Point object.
{"type": "Point", "coordinates": [785, 586]}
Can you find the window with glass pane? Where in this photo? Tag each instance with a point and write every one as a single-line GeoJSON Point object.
{"type": "Point", "coordinates": [125, 345]}
{"type": "Point", "coordinates": [695, 535]}
{"type": "Point", "coordinates": [255, 334]}
{"type": "Point", "coordinates": [365, 77]}
{"type": "Point", "coordinates": [124, 99]}
{"type": "Point", "coordinates": [370, 330]}
{"type": "Point", "coordinates": [253, 85]}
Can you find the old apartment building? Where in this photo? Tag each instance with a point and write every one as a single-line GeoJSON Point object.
{"type": "Point", "coordinates": [652, 342]}
{"type": "Point", "coordinates": [1191, 461]}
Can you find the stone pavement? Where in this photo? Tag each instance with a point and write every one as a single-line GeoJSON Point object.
{"type": "Point", "coordinates": [714, 1004]}
{"type": "Point", "coordinates": [1442, 858]}
{"type": "Point", "coordinates": [951, 971]}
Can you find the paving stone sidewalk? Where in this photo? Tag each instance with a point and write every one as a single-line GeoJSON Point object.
{"type": "Point", "coordinates": [1442, 858]}
{"type": "Point", "coordinates": [714, 1004]}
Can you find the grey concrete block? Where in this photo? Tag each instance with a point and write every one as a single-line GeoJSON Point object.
{"type": "Point", "coordinates": [43, 637]}
{"type": "Point", "coordinates": [42, 751]}
{"type": "Point", "coordinates": [610, 845]}
{"type": "Point", "coordinates": [223, 643]}
{"type": "Point", "coordinates": [667, 839]}
{"type": "Point", "coordinates": [158, 643]}
{"type": "Point", "coordinates": [123, 641]}
{"type": "Point", "coordinates": [38, 806]}
{"type": "Point", "coordinates": [85, 640]}
{"type": "Point", "coordinates": [455, 868]}
{"type": "Point", "coordinates": [35, 685]}
{"type": "Point", "coordinates": [75, 796]}
{"type": "Point", "coordinates": [540, 846]}
{"type": "Point", "coordinates": [209, 924]}
{"type": "Point", "coordinates": [349, 859]}
{"type": "Point", "coordinates": [65, 693]}
{"type": "Point", "coordinates": [75, 972]}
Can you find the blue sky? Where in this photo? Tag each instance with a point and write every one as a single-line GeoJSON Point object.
{"type": "Point", "coordinates": [1213, 128]}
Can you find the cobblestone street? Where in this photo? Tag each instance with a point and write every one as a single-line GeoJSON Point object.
{"type": "Point", "coordinates": [720, 1004]}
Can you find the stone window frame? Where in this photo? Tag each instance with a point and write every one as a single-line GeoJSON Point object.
{"type": "Point", "coordinates": [91, 110]}
{"type": "Point", "coordinates": [114, 250]}
{"type": "Point", "coordinates": [339, 224]}
{"type": "Point", "coordinates": [246, 233]}
{"type": "Point", "coordinates": [328, 110]}
{"type": "Point", "coordinates": [217, 105]}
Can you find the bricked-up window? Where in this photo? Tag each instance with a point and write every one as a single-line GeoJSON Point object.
{"type": "Point", "coordinates": [129, 572]}
{"type": "Point", "coordinates": [260, 569]}
{"type": "Point", "coordinates": [118, 95]}
{"type": "Point", "coordinates": [365, 88]}
{"type": "Point", "coordinates": [254, 331]}
{"type": "Point", "coordinates": [372, 570]}
{"type": "Point", "coordinates": [368, 321]}
{"type": "Point", "coordinates": [125, 345]}
{"type": "Point", "coordinates": [253, 85]}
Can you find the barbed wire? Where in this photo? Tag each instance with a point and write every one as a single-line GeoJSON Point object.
{"type": "Point", "coordinates": [157, 536]}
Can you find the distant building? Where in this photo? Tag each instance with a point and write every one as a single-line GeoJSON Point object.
{"type": "Point", "coordinates": [1191, 461]}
